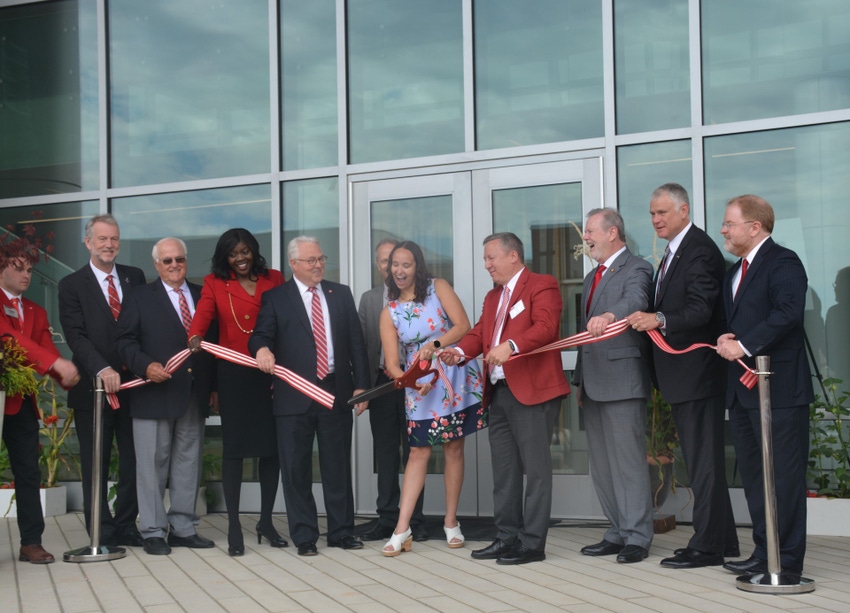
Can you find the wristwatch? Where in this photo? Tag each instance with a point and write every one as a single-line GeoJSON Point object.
{"type": "Point", "coordinates": [659, 317]}
{"type": "Point", "coordinates": [437, 344]}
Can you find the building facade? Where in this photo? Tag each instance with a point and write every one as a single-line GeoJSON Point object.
{"type": "Point", "coordinates": [438, 121]}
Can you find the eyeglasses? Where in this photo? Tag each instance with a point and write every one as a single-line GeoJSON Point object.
{"type": "Point", "coordinates": [180, 260]}
{"type": "Point", "coordinates": [313, 261]}
{"type": "Point", "coordinates": [731, 224]}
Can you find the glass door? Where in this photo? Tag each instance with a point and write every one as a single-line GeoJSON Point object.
{"type": "Point", "coordinates": [449, 215]}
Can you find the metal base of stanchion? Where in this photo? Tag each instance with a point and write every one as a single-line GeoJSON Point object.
{"type": "Point", "coordinates": [781, 583]}
{"type": "Point", "coordinates": [104, 553]}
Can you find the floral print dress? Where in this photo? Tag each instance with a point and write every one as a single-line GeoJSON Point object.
{"type": "Point", "coordinates": [437, 418]}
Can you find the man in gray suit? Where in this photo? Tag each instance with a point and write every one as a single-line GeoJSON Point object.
{"type": "Point", "coordinates": [387, 417]}
{"type": "Point", "coordinates": [613, 380]}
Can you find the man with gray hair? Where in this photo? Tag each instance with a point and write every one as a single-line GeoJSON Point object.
{"type": "Point", "coordinates": [310, 326]}
{"type": "Point", "coordinates": [90, 301]}
{"type": "Point", "coordinates": [169, 412]}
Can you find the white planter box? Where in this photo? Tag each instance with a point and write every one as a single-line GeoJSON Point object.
{"type": "Point", "coordinates": [54, 501]}
{"type": "Point", "coordinates": [828, 516]}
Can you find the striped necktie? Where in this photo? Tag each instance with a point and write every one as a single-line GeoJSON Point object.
{"type": "Point", "coordinates": [185, 314]}
{"type": "Point", "coordinates": [500, 318]}
{"type": "Point", "coordinates": [16, 302]}
{"type": "Point", "coordinates": [318, 320]}
{"type": "Point", "coordinates": [114, 301]}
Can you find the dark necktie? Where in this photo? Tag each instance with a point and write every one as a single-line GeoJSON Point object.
{"type": "Point", "coordinates": [185, 314]}
{"type": "Point", "coordinates": [662, 270]}
{"type": "Point", "coordinates": [599, 270]}
{"type": "Point", "coordinates": [319, 336]}
{"type": "Point", "coordinates": [114, 302]}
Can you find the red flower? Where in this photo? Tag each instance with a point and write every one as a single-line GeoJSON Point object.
{"type": "Point", "coordinates": [49, 420]}
{"type": "Point", "coordinates": [444, 422]}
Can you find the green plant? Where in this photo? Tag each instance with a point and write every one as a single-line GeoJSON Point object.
{"type": "Point", "coordinates": [51, 453]}
{"type": "Point", "coordinates": [829, 453]}
{"type": "Point", "coordinates": [662, 440]}
{"type": "Point", "coordinates": [17, 378]}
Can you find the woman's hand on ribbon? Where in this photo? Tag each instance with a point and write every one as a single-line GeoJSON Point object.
{"type": "Point", "coordinates": [194, 343]}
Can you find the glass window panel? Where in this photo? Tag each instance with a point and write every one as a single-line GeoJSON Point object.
{"type": "Point", "coordinates": [541, 92]}
{"type": "Point", "coordinates": [766, 58]}
{"type": "Point", "coordinates": [802, 172]}
{"type": "Point", "coordinates": [640, 169]}
{"type": "Point", "coordinates": [189, 90]}
{"type": "Point", "coordinates": [405, 79]}
{"type": "Point", "coordinates": [651, 65]}
{"type": "Point", "coordinates": [196, 217]}
{"type": "Point", "coordinates": [48, 98]}
{"type": "Point", "coordinates": [311, 207]}
{"type": "Point", "coordinates": [308, 83]}
{"type": "Point", "coordinates": [411, 219]}
{"type": "Point", "coordinates": [547, 219]}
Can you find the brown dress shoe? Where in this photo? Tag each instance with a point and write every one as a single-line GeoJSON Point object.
{"type": "Point", "coordinates": [35, 554]}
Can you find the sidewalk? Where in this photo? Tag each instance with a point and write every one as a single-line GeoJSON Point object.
{"type": "Point", "coordinates": [431, 578]}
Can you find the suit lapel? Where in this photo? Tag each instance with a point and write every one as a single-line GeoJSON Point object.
{"type": "Point", "coordinates": [672, 266]}
{"type": "Point", "coordinates": [752, 271]}
{"type": "Point", "coordinates": [161, 295]}
{"type": "Point", "coordinates": [93, 287]}
{"type": "Point", "coordinates": [606, 278]}
{"type": "Point", "coordinates": [297, 305]}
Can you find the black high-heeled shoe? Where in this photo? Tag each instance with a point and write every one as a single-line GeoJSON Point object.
{"type": "Point", "coordinates": [275, 540]}
{"type": "Point", "coordinates": [235, 552]}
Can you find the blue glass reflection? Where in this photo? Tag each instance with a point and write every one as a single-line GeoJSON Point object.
{"type": "Point", "coordinates": [189, 90]}
{"type": "Point", "coordinates": [311, 207]}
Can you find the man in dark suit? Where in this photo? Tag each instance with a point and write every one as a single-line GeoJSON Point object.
{"type": "Point", "coordinates": [521, 314]}
{"type": "Point", "coordinates": [26, 322]}
{"type": "Point", "coordinates": [89, 304]}
{"type": "Point", "coordinates": [169, 412]}
{"type": "Point", "coordinates": [311, 327]}
{"type": "Point", "coordinates": [613, 376]}
{"type": "Point", "coordinates": [688, 310]}
{"type": "Point", "coordinates": [387, 416]}
{"type": "Point", "coordinates": [764, 297]}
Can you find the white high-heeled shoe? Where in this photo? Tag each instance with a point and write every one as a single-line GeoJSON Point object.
{"type": "Point", "coordinates": [454, 537]}
{"type": "Point", "coordinates": [398, 543]}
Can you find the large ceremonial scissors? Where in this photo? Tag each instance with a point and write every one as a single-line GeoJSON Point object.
{"type": "Point", "coordinates": [418, 370]}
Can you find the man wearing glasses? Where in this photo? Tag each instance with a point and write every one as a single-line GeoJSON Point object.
{"type": "Point", "coordinates": [169, 412]}
{"type": "Point", "coordinates": [311, 327]}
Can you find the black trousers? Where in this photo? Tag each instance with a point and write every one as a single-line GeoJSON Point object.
{"type": "Point", "coordinates": [391, 447]}
{"type": "Point", "coordinates": [117, 425]}
{"type": "Point", "coordinates": [20, 433]}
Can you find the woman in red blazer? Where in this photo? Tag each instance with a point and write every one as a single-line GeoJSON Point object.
{"type": "Point", "coordinates": [231, 296]}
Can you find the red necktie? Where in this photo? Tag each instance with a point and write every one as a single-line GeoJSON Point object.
{"type": "Point", "coordinates": [500, 318]}
{"type": "Point", "coordinates": [114, 301]}
{"type": "Point", "coordinates": [599, 270]}
{"type": "Point", "coordinates": [319, 336]}
{"type": "Point", "coordinates": [185, 314]}
{"type": "Point", "coordinates": [16, 302]}
{"type": "Point", "coordinates": [744, 266]}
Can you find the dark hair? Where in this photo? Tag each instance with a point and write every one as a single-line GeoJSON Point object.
{"type": "Point", "coordinates": [420, 280]}
{"type": "Point", "coordinates": [226, 243]}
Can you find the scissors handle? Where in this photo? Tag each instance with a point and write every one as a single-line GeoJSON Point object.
{"type": "Point", "coordinates": [415, 372]}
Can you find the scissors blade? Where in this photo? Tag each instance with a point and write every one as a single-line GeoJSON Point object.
{"type": "Point", "coordinates": [369, 394]}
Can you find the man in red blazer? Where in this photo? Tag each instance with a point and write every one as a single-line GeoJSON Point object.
{"type": "Point", "coordinates": [521, 314]}
{"type": "Point", "coordinates": [26, 322]}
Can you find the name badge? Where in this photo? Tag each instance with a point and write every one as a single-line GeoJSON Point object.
{"type": "Point", "coordinates": [516, 309]}
{"type": "Point", "coordinates": [10, 311]}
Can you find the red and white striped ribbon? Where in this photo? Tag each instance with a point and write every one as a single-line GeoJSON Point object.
{"type": "Point", "coordinates": [300, 383]}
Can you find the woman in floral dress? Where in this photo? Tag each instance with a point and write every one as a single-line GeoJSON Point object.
{"type": "Point", "coordinates": [423, 315]}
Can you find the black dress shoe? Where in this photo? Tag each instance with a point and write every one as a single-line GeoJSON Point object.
{"type": "Point", "coordinates": [131, 538]}
{"type": "Point", "coordinates": [731, 551]}
{"type": "Point", "coordinates": [631, 553]}
{"type": "Point", "coordinates": [521, 555]}
{"type": "Point", "coordinates": [750, 566]}
{"type": "Point", "coordinates": [156, 546]}
{"type": "Point", "coordinates": [274, 539]}
{"type": "Point", "coordinates": [347, 542]}
{"type": "Point", "coordinates": [691, 558]}
{"type": "Point", "coordinates": [420, 533]}
{"type": "Point", "coordinates": [195, 541]}
{"type": "Point", "coordinates": [379, 532]}
{"type": "Point", "coordinates": [307, 549]}
{"type": "Point", "coordinates": [602, 548]}
{"type": "Point", "coordinates": [493, 551]}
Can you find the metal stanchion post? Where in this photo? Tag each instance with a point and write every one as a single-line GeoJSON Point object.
{"type": "Point", "coordinates": [96, 552]}
{"type": "Point", "coordinates": [774, 581]}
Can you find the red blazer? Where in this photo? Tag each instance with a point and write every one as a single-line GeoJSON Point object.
{"type": "Point", "coordinates": [234, 325]}
{"type": "Point", "coordinates": [36, 339]}
{"type": "Point", "coordinates": [534, 379]}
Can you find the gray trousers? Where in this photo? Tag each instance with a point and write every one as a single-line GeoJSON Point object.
{"type": "Point", "coordinates": [616, 443]}
{"type": "Point", "coordinates": [520, 435]}
{"type": "Point", "coordinates": [168, 451]}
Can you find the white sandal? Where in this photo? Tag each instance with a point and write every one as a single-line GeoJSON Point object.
{"type": "Point", "coordinates": [398, 543]}
{"type": "Point", "coordinates": [454, 537]}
